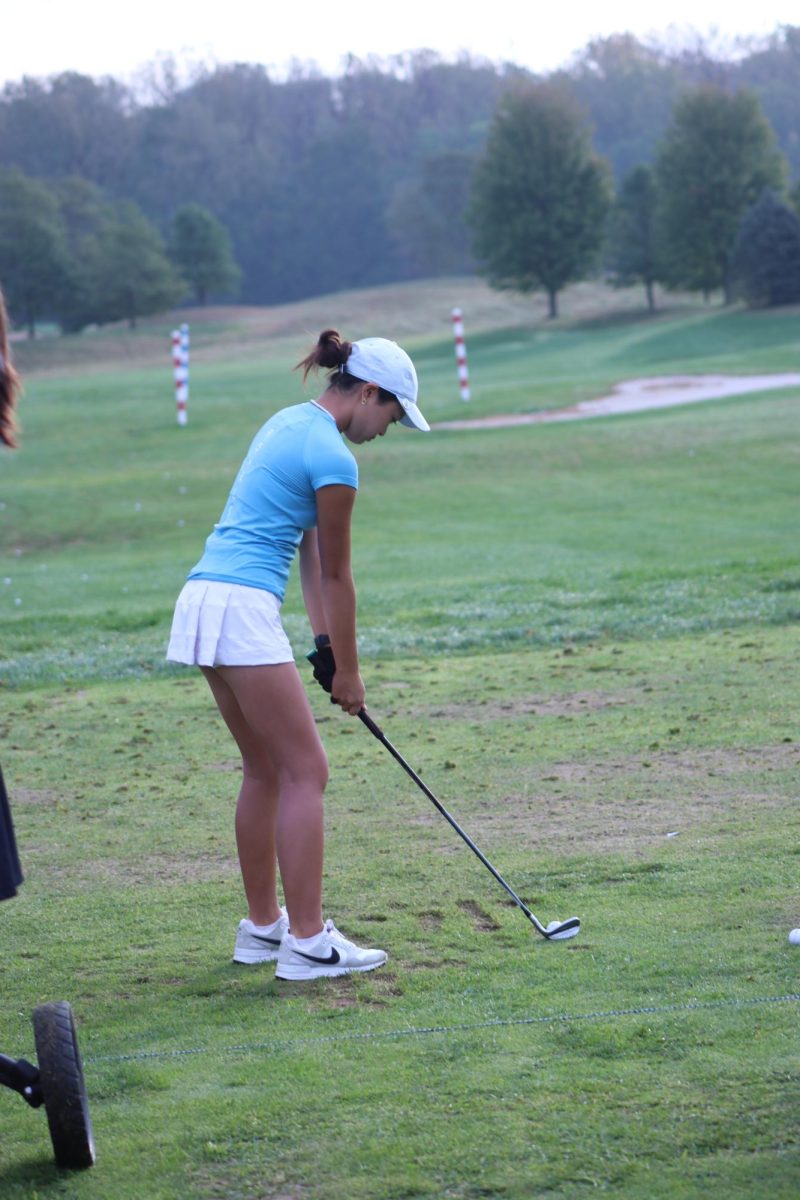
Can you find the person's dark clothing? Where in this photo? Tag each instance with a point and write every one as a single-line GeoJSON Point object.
{"type": "Point", "coordinates": [10, 870]}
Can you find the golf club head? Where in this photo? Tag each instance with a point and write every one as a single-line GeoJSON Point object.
{"type": "Point", "coordinates": [559, 931]}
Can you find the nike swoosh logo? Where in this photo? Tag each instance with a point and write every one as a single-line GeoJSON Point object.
{"type": "Point", "coordinates": [260, 938]}
{"type": "Point", "coordinates": [333, 958]}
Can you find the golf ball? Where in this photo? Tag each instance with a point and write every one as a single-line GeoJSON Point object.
{"type": "Point", "coordinates": [794, 937]}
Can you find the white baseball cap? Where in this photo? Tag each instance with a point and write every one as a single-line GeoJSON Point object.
{"type": "Point", "coordinates": [377, 360]}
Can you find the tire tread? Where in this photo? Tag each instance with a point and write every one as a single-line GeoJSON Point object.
{"type": "Point", "coordinates": [63, 1087]}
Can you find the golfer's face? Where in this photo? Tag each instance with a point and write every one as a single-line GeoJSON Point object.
{"type": "Point", "coordinates": [372, 419]}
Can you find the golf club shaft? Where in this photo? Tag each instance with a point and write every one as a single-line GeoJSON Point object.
{"type": "Point", "coordinates": [380, 735]}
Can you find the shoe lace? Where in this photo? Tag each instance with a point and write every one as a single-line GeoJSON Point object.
{"type": "Point", "coordinates": [339, 937]}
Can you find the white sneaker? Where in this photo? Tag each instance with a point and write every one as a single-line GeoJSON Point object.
{"type": "Point", "coordinates": [252, 947]}
{"type": "Point", "coordinates": [330, 954]}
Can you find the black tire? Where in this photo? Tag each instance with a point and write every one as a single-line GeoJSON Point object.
{"type": "Point", "coordinates": [63, 1088]}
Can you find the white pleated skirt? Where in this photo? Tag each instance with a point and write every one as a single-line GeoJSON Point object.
{"type": "Point", "coordinates": [227, 625]}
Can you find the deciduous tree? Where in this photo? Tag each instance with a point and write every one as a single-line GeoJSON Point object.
{"type": "Point", "coordinates": [84, 214]}
{"type": "Point", "coordinates": [629, 89]}
{"type": "Point", "coordinates": [135, 276]}
{"type": "Point", "coordinates": [632, 255]}
{"type": "Point", "coordinates": [794, 197]}
{"type": "Point", "coordinates": [716, 158]}
{"type": "Point", "coordinates": [427, 216]}
{"type": "Point", "coordinates": [202, 249]}
{"type": "Point", "coordinates": [34, 263]}
{"type": "Point", "coordinates": [541, 196]}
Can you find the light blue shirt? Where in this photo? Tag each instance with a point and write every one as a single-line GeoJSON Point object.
{"type": "Point", "coordinates": [273, 498]}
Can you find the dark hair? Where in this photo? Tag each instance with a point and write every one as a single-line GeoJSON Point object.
{"type": "Point", "coordinates": [9, 383]}
{"type": "Point", "coordinates": [331, 351]}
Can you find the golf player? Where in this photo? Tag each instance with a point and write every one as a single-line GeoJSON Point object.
{"type": "Point", "coordinates": [296, 488]}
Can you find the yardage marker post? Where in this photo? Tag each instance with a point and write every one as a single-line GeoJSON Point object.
{"type": "Point", "coordinates": [180, 369]}
{"type": "Point", "coordinates": [461, 354]}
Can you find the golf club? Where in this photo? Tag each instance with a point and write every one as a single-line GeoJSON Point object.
{"type": "Point", "coordinates": [556, 930]}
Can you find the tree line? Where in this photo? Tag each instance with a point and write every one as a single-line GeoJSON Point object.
{"type": "Point", "coordinates": [67, 253]}
{"type": "Point", "coordinates": [712, 213]}
{"type": "Point", "coordinates": [312, 184]}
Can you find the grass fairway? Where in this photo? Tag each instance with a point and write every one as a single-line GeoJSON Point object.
{"type": "Point", "coordinates": [584, 637]}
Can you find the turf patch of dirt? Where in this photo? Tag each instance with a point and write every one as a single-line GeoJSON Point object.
{"type": "Point", "coordinates": [156, 869]}
{"type": "Point", "coordinates": [567, 704]}
{"type": "Point", "coordinates": [623, 804]}
{"type": "Point", "coordinates": [434, 964]}
{"type": "Point", "coordinates": [34, 798]}
{"type": "Point", "coordinates": [234, 1181]}
{"type": "Point", "coordinates": [480, 918]}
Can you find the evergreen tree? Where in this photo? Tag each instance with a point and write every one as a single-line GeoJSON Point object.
{"type": "Point", "coordinates": [201, 248]}
{"type": "Point", "coordinates": [34, 263]}
{"type": "Point", "coordinates": [766, 258]}
{"type": "Point", "coordinates": [540, 197]}
{"type": "Point", "coordinates": [716, 158]}
{"type": "Point", "coordinates": [135, 276]}
{"type": "Point", "coordinates": [631, 254]}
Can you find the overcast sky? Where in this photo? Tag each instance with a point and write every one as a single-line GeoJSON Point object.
{"type": "Point", "coordinates": [48, 36]}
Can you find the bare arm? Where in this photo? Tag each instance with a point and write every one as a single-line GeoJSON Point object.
{"type": "Point", "coordinates": [311, 582]}
{"type": "Point", "coordinates": [337, 591]}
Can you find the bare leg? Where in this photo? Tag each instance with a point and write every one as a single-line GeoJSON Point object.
{"type": "Point", "coordinates": [280, 804]}
{"type": "Point", "coordinates": [256, 810]}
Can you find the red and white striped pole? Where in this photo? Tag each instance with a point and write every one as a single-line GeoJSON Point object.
{"type": "Point", "coordinates": [180, 370]}
{"type": "Point", "coordinates": [461, 354]}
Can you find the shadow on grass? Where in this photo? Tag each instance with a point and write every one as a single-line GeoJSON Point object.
{"type": "Point", "coordinates": [34, 1173]}
{"type": "Point", "coordinates": [623, 319]}
{"type": "Point", "coordinates": [706, 335]}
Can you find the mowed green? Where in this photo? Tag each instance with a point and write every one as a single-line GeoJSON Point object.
{"type": "Point", "coordinates": [583, 636]}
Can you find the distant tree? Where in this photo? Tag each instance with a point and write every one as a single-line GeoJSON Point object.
{"type": "Point", "coordinates": [794, 197]}
{"type": "Point", "coordinates": [326, 227]}
{"type": "Point", "coordinates": [84, 215]}
{"type": "Point", "coordinates": [69, 124]}
{"type": "Point", "coordinates": [281, 163]}
{"type": "Point", "coordinates": [772, 70]}
{"type": "Point", "coordinates": [631, 251]}
{"type": "Point", "coordinates": [428, 216]}
{"type": "Point", "coordinates": [135, 276]}
{"type": "Point", "coordinates": [540, 197]}
{"type": "Point", "coordinates": [201, 248]}
{"type": "Point", "coordinates": [716, 158]}
{"type": "Point", "coordinates": [34, 263]}
{"type": "Point", "coordinates": [448, 106]}
{"type": "Point", "coordinates": [766, 257]}
{"type": "Point", "coordinates": [628, 88]}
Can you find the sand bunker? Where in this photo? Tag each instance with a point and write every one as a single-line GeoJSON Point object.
{"type": "Point", "coordinates": [636, 395]}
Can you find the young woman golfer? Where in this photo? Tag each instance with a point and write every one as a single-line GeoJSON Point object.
{"type": "Point", "coordinates": [296, 487]}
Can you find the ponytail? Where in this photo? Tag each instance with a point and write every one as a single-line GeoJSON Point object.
{"type": "Point", "coordinates": [329, 352]}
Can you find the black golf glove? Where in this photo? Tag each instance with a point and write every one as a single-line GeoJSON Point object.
{"type": "Point", "coordinates": [323, 662]}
